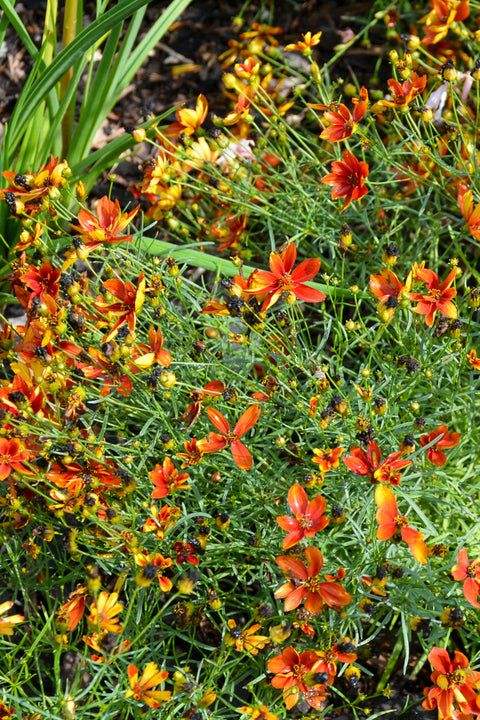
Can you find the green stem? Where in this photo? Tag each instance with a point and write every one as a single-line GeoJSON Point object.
{"type": "Point", "coordinates": [398, 647]}
{"type": "Point", "coordinates": [69, 34]}
{"type": "Point", "coordinates": [196, 258]}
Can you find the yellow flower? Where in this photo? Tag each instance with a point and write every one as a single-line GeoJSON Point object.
{"type": "Point", "coordinates": [140, 689]}
{"type": "Point", "coordinates": [7, 622]}
{"type": "Point", "coordinates": [103, 611]}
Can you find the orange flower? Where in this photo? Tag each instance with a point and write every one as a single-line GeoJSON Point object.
{"type": "Point", "coordinates": [347, 179]}
{"type": "Point", "coordinates": [141, 689]}
{"type": "Point", "coordinates": [473, 360]}
{"type": "Point", "coordinates": [74, 609]}
{"type": "Point", "coordinates": [293, 673]}
{"type": "Point", "coordinates": [369, 463]}
{"type": "Point", "coordinates": [391, 524]}
{"type": "Point", "coordinates": [470, 572]}
{"type": "Point", "coordinates": [246, 640]}
{"type": "Point", "coordinates": [7, 623]}
{"type": "Point", "coordinates": [469, 212]}
{"type": "Point", "coordinates": [439, 297]}
{"type": "Point", "coordinates": [403, 94]}
{"type": "Point", "coordinates": [103, 611]}
{"type": "Point", "coordinates": [111, 371]}
{"type": "Point", "coordinates": [446, 440]}
{"type": "Point", "coordinates": [43, 282]}
{"type": "Point", "coordinates": [327, 459]}
{"type": "Point", "coordinates": [305, 583]}
{"type": "Point", "coordinates": [167, 480]}
{"type": "Point", "coordinates": [256, 713]}
{"type": "Point", "coordinates": [309, 518]}
{"type": "Point", "coordinates": [228, 437]}
{"type": "Point", "coordinates": [193, 453]}
{"type": "Point", "coordinates": [12, 457]}
{"type": "Point", "coordinates": [161, 520]}
{"type": "Point", "coordinates": [455, 688]}
{"type": "Point", "coordinates": [213, 388]}
{"type": "Point", "coordinates": [283, 279]}
{"type": "Point", "coordinates": [442, 16]}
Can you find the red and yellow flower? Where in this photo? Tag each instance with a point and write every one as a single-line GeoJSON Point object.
{"type": "Point", "coordinates": [142, 689]}
{"type": "Point", "coordinates": [369, 463]}
{"type": "Point", "coordinates": [347, 179]}
{"type": "Point", "coordinates": [166, 479]}
{"type": "Point", "coordinates": [445, 440]}
{"type": "Point", "coordinates": [439, 297]}
{"type": "Point", "coordinates": [231, 438]}
{"type": "Point", "coordinates": [294, 674]}
{"type": "Point", "coordinates": [470, 573]}
{"type": "Point", "coordinates": [455, 686]}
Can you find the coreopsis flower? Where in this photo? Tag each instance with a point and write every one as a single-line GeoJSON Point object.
{"type": "Point", "coordinates": [6, 713]}
{"type": "Point", "coordinates": [282, 278]}
{"type": "Point", "coordinates": [106, 644]}
{"type": "Point", "coordinates": [142, 689]}
{"type": "Point", "coordinates": [439, 297]}
{"type": "Point", "coordinates": [327, 459]}
{"type": "Point", "coordinates": [189, 120]}
{"type": "Point", "coordinates": [391, 524]}
{"type": "Point", "coordinates": [193, 453]}
{"type": "Point", "coordinates": [342, 123]}
{"type": "Point", "coordinates": [228, 437]}
{"type": "Point", "coordinates": [442, 16]}
{"type": "Point", "coordinates": [455, 686]}
{"type": "Point", "coordinates": [12, 457]}
{"type": "Point", "coordinates": [153, 565]}
{"type": "Point", "coordinates": [369, 463]}
{"type": "Point", "coordinates": [185, 553]}
{"type": "Point", "coordinates": [127, 306]}
{"type": "Point", "coordinates": [43, 282]}
{"type": "Point", "coordinates": [106, 226]}
{"type": "Point", "coordinates": [103, 611]}
{"type": "Point", "coordinates": [167, 480]}
{"type": "Point", "coordinates": [343, 652]}
{"type": "Point", "coordinates": [470, 212]}
{"type": "Point", "coordinates": [73, 610]}
{"type": "Point", "coordinates": [261, 34]}
{"type": "Point", "coordinates": [161, 520]}
{"type": "Point", "coordinates": [7, 623]}
{"type": "Point", "coordinates": [304, 46]}
{"type": "Point", "coordinates": [261, 712]}
{"type": "Point", "coordinates": [470, 573]}
{"type": "Point", "coordinates": [211, 389]}
{"type": "Point", "coordinates": [347, 178]}
{"type": "Point", "coordinates": [402, 94]}
{"type": "Point", "coordinates": [389, 291]}
{"type": "Point", "coordinates": [246, 640]}
{"type": "Point", "coordinates": [308, 517]}
{"type": "Point", "coordinates": [305, 584]}
{"type": "Point", "coordinates": [32, 188]}
{"type": "Point", "coordinates": [111, 371]}
{"type": "Point", "coordinates": [446, 440]}
{"type": "Point", "coordinates": [294, 674]}
{"type": "Point", "coordinates": [473, 359]}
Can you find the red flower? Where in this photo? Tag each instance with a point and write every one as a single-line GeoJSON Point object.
{"type": "Point", "coordinates": [305, 583]}
{"type": "Point", "coordinates": [455, 685]}
{"type": "Point", "coordinates": [291, 671]}
{"type": "Point", "coordinates": [389, 290]}
{"type": "Point", "coordinates": [469, 212]}
{"type": "Point", "coordinates": [166, 479]}
{"type": "Point", "coordinates": [193, 453]}
{"type": "Point", "coordinates": [309, 518]}
{"type": "Point", "coordinates": [129, 301]}
{"type": "Point", "coordinates": [218, 441]}
{"type": "Point", "coordinates": [185, 553]}
{"type": "Point", "coordinates": [403, 94]}
{"type": "Point", "coordinates": [438, 298]}
{"type": "Point", "coordinates": [435, 453]}
{"type": "Point", "coordinates": [347, 178]}
{"type": "Point", "coordinates": [283, 279]}
{"type": "Point", "coordinates": [43, 282]}
{"type": "Point", "coordinates": [369, 463]}
{"type": "Point", "coordinates": [470, 572]}
{"type": "Point", "coordinates": [343, 124]}
{"type": "Point", "coordinates": [390, 523]}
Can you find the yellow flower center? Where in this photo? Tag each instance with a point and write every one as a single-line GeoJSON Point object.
{"type": "Point", "coordinates": [447, 681]}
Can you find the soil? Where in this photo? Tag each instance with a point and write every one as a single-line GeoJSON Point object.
{"type": "Point", "coordinates": [196, 39]}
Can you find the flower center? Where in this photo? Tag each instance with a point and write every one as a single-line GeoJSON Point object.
{"type": "Point", "coordinates": [5, 459]}
{"type": "Point", "coordinates": [471, 569]}
{"type": "Point", "coordinates": [447, 681]}
{"type": "Point", "coordinates": [401, 521]}
{"type": "Point", "coordinates": [304, 521]}
{"type": "Point", "coordinates": [312, 584]}
{"type": "Point", "coordinates": [298, 671]}
{"type": "Point", "coordinates": [230, 437]}
{"type": "Point", "coordinates": [434, 296]}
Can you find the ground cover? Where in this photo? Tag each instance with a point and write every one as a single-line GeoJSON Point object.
{"type": "Point", "coordinates": [239, 440]}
